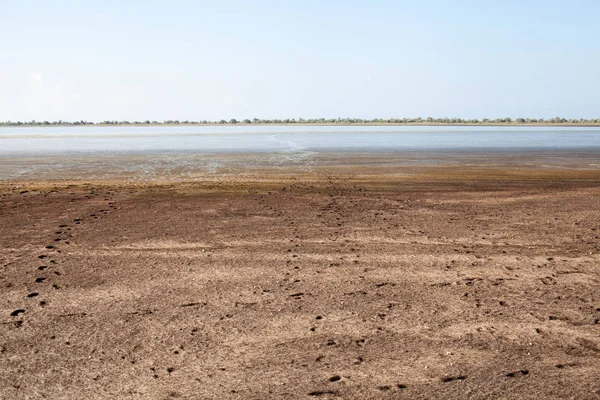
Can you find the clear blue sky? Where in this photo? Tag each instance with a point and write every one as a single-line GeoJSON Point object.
{"type": "Point", "coordinates": [138, 60]}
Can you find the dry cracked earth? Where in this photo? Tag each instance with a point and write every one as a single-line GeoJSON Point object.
{"type": "Point", "coordinates": [300, 288]}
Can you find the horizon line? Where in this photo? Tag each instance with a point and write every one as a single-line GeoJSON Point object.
{"type": "Point", "coordinates": [325, 121]}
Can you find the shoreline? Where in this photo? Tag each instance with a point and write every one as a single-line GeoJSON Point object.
{"type": "Point", "coordinates": [438, 178]}
{"type": "Point", "coordinates": [407, 166]}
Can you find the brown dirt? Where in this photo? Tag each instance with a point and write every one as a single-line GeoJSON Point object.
{"type": "Point", "coordinates": [438, 284]}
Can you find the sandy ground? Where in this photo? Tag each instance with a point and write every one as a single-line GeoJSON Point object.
{"type": "Point", "coordinates": [436, 283]}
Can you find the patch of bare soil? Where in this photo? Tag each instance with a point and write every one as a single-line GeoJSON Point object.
{"type": "Point", "coordinates": [302, 288]}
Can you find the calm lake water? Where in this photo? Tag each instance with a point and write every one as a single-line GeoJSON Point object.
{"type": "Point", "coordinates": [53, 141]}
{"type": "Point", "coordinates": [194, 152]}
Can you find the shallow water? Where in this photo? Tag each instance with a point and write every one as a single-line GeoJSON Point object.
{"type": "Point", "coordinates": [195, 152]}
{"type": "Point", "coordinates": [53, 141]}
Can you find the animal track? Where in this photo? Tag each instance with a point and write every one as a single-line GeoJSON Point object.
{"type": "Point", "coordinates": [454, 378]}
{"type": "Point", "coordinates": [548, 280]}
{"type": "Point", "coordinates": [521, 372]}
{"type": "Point", "coordinates": [323, 393]}
{"type": "Point", "coordinates": [561, 366]}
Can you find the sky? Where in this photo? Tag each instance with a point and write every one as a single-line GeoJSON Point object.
{"type": "Point", "coordinates": [193, 60]}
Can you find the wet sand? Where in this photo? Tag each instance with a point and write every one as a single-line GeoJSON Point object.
{"type": "Point", "coordinates": [364, 279]}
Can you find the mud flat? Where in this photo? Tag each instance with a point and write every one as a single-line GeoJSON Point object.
{"type": "Point", "coordinates": [363, 279]}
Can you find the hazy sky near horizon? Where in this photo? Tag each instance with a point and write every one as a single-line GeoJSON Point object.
{"type": "Point", "coordinates": [136, 60]}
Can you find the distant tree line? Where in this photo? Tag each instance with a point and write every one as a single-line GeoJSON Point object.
{"type": "Point", "coordinates": [324, 121]}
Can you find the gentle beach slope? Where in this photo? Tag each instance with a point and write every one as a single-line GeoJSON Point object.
{"type": "Point", "coordinates": [438, 282]}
